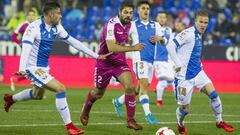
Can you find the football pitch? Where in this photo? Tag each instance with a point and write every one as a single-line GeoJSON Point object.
{"type": "Point", "coordinates": [42, 118]}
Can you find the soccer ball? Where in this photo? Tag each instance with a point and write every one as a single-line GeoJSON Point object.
{"type": "Point", "coordinates": [165, 131]}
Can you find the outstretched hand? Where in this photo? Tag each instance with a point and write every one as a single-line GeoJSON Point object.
{"type": "Point", "coordinates": [103, 57]}
{"type": "Point", "coordinates": [21, 73]}
{"type": "Point", "coordinates": [138, 47]}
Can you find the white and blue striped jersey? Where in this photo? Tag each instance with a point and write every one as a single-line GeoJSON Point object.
{"type": "Point", "coordinates": [189, 47]}
{"type": "Point", "coordinates": [37, 44]}
{"type": "Point", "coordinates": [41, 37]}
{"type": "Point", "coordinates": [161, 50]}
{"type": "Point", "coordinates": [141, 32]}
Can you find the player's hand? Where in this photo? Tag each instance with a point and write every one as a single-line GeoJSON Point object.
{"type": "Point", "coordinates": [103, 57]}
{"type": "Point", "coordinates": [21, 73]}
{"type": "Point", "coordinates": [157, 38]}
{"type": "Point", "coordinates": [138, 47]}
{"type": "Point", "coordinates": [177, 69]}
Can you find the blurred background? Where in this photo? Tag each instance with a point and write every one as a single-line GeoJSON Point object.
{"type": "Point", "coordinates": [84, 19]}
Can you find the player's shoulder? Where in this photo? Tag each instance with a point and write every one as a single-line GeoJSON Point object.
{"type": "Point", "coordinates": [188, 32]}
{"type": "Point", "coordinates": [35, 24]}
{"type": "Point", "coordinates": [113, 20]}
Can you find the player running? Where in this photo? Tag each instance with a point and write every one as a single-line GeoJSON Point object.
{"type": "Point", "coordinates": [148, 32]}
{"type": "Point", "coordinates": [163, 66]}
{"type": "Point", "coordinates": [20, 31]}
{"type": "Point", "coordinates": [114, 37]}
{"type": "Point", "coordinates": [36, 47]}
{"type": "Point", "coordinates": [185, 51]}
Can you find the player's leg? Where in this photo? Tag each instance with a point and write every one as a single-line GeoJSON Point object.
{"type": "Point", "coordinates": [144, 72]}
{"type": "Point", "coordinates": [102, 77]}
{"type": "Point", "coordinates": [165, 76]}
{"type": "Point", "coordinates": [62, 105]}
{"type": "Point", "coordinates": [206, 86]}
{"type": "Point", "coordinates": [125, 78]}
{"type": "Point", "coordinates": [27, 94]}
{"type": "Point", "coordinates": [183, 91]}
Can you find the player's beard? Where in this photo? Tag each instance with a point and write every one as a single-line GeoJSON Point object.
{"type": "Point", "coordinates": [126, 20]}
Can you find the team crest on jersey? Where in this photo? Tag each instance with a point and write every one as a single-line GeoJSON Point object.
{"type": "Point", "coordinates": [110, 32]}
{"type": "Point", "coordinates": [152, 25]}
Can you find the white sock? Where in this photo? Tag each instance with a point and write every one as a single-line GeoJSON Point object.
{"type": "Point", "coordinates": [180, 113]}
{"type": "Point", "coordinates": [23, 95]}
{"type": "Point", "coordinates": [160, 89]}
{"type": "Point", "coordinates": [144, 99]}
{"type": "Point", "coordinates": [121, 99]}
{"type": "Point", "coordinates": [62, 107]}
{"type": "Point", "coordinates": [217, 108]}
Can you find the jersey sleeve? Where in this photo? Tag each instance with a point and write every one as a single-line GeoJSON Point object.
{"type": "Point", "coordinates": [29, 35]}
{"type": "Point", "coordinates": [110, 30]}
{"type": "Point", "coordinates": [133, 33]}
{"type": "Point", "coordinates": [159, 30]}
{"type": "Point", "coordinates": [182, 38]}
{"type": "Point", "coordinates": [62, 33]}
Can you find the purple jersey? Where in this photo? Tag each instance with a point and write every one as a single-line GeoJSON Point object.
{"type": "Point", "coordinates": [116, 63]}
{"type": "Point", "coordinates": [113, 30]}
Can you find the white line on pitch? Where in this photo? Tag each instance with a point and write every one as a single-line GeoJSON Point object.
{"type": "Point", "coordinates": [99, 112]}
{"type": "Point", "coordinates": [117, 123]}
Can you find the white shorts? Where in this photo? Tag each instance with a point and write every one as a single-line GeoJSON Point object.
{"type": "Point", "coordinates": [184, 88]}
{"type": "Point", "coordinates": [143, 69]}
{"type": "Point", "coordinates": [163, 69]}
{"type": "Point", "coordinates": [38, 75]}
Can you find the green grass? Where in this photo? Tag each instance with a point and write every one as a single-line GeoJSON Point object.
{"type": "Point", "coordinates": [42, 118]}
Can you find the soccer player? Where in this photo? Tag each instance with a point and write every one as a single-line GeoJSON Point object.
{"type": "Point", "coordinates": [114, 37]}
{"type": "Point", "coordinates": [162, 64]}
{"type": "Point", "coordinates": [36, 47]}
{"type": "Point", "coordinates": [190, 73]}
{"type": "Point", "coordinates": [147, 32]}
{"type": "Point", "coordinates": [20, 31]}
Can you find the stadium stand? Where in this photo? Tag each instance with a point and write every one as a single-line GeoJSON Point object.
{"type": "Point", "coordinates": [80, 18]}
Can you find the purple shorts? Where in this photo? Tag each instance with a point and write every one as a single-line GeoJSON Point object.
{"type": "Point", "coordinates": [103, 75]}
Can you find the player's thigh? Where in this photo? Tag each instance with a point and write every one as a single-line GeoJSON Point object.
{"type": "Point", "coordinates": [38, 76]}
{"type": "Point", "coordinates": [102, 77]}
{"type": "Point", "coordinates": [55, 86]}
{"type": "Point", "coordinates": [126, 80]}
{"type": "Point", "coordinates": [183, 91]}
{"type": "Point", "coordinates": [203, 83]}
{"type": "Point", "coordinates": [143, 70]}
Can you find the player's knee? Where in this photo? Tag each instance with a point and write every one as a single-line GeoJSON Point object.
{"type": "Point", "coordinates": [98, 94]}
{"type": "Point", "coordinates": [61, 88]}
{"type": "Point", "coordinates": [129, 88]}
{"type": "Point", "coordinates": [185, 107]}
{"type": "Point", "coordinates": [37, 96]}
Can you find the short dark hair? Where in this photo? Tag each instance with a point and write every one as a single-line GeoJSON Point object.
{"type": "Point", "coordinates": [31, 10]}
{"type": "Point", "coordinates": [143, 2]}
{"type": "Point", "coordinates": [126, 4]}
{"type": "Point", "coordinates": [202, 13]}
{"type": "Point", "coordinates": [50, 6]}
{"type": "Point", "coordinates": [163, 12]}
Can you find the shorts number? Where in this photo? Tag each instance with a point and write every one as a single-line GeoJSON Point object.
{"type": "Point", "coordinates": [182, 91]}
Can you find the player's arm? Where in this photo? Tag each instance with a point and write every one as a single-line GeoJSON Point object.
{"type": "Point", "coordinates": [27, 42]}
{"type": "Point", "coordinates": [77, 44]}
{"type": "Point", "coordinates": [178, 41]}
{"type": "Point", "coordinates": [15, 35]}
{"type": "Point", "coordinates": [112, 44]}
{"type": "Point", "coordinates": [171, 48]}
{"type": "Point", "coordinates": [114, 47]}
